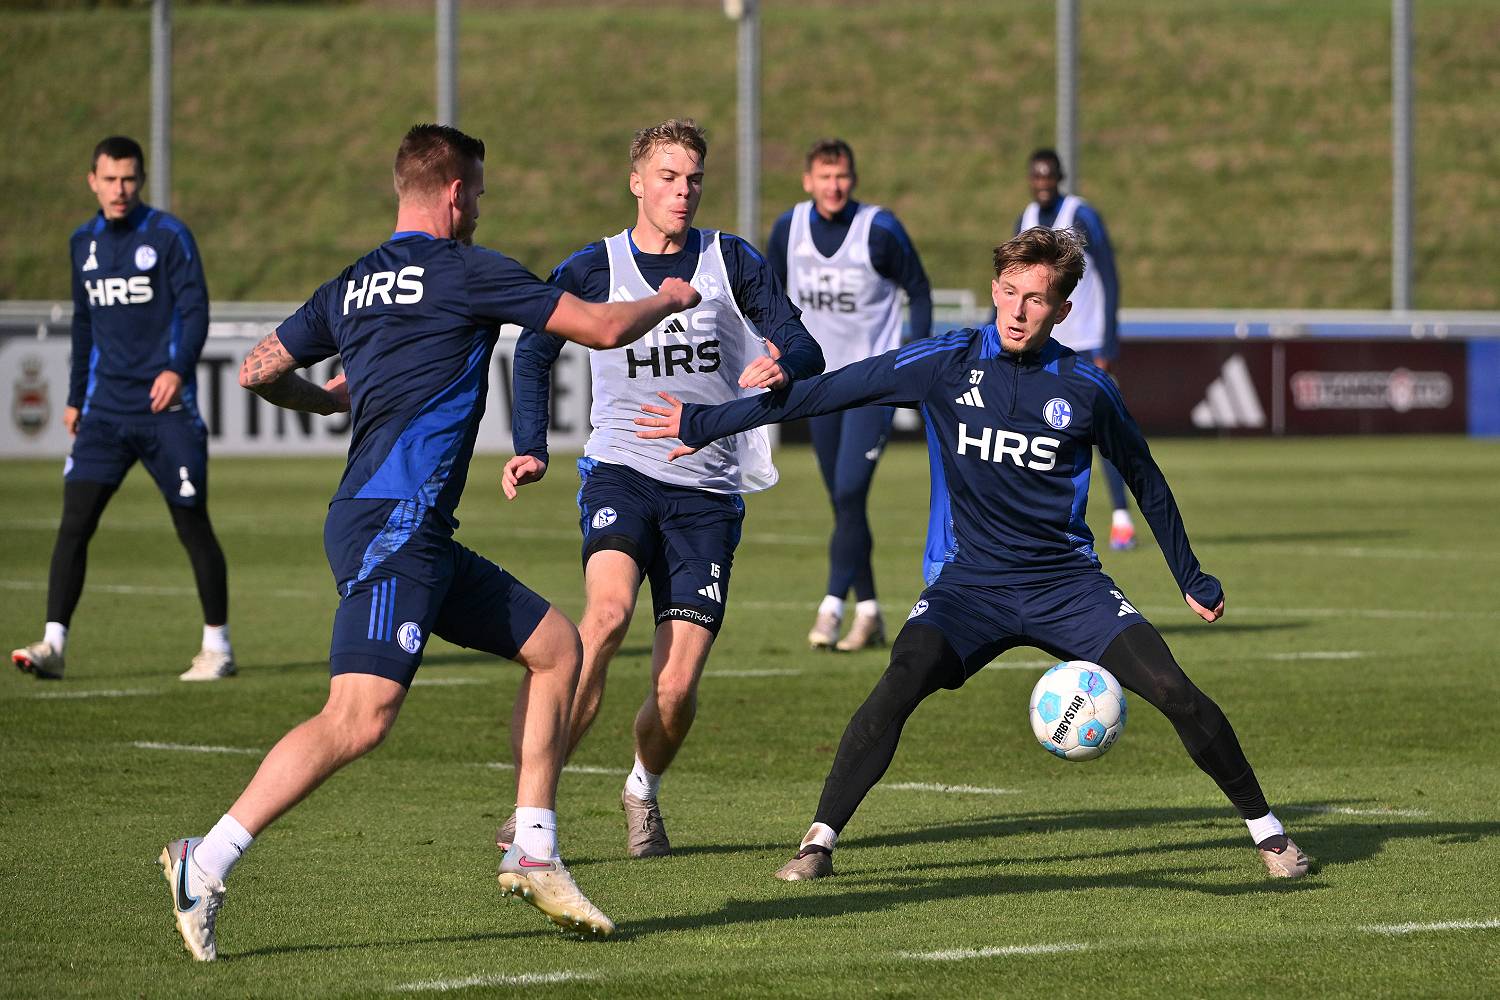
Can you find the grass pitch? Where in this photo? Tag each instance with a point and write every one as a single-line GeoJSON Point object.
{"type": "Point", "coordinates": [1357, 661]}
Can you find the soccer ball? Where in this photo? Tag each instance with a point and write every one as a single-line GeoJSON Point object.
{"type": "Point", "coordinates": [1077, 710]}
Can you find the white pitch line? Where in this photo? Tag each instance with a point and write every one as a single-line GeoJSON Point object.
{"type": "Point", "coordinates": [1021, 664]}
{"type": "Point", "coordinates": [754, 673]}
{"type": "Point", "coordinates": [523, 979]}
{"type": "Point", "coordinates": [114, 693]}
{"type": "Point", "coordinates": [1446, 925]}
{"type": "Point", "coordinates": [143, 590]}
{"type": "Point", "coordinates": [1328, 654]}
{"type": "Point", "coordinates": [1350, 811]}
{"type": "Point", "coordinates": [1368, 552]}
{"type": "Point", "coordinates": [569, 768]}
{"type": "Point", "coordinates": [923, 786]}
{"type": "Point", "coordinates": [448, 681]}
{"type": "Point", "coordinates": [194, 748]}
{"type": "Point", "coordinates": [959, 954]}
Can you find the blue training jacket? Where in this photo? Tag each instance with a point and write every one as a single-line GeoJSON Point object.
{"type": "Point", "coordinates": [140, 307]}
{"type": "Point", "coordinates": [1010, 439]}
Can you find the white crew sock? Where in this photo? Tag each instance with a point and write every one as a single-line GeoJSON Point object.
{"type": "Point", "coordinates": [820, 834]}
{"type": "Point", "coordinates": [56, 635]}
{"type": "Point", "coordinates": [1267, 826]}
{"type": "Point", "coordinates": [1120, 518]}
{"type": "Point", "coordinates": [832, 606]}
{"type": "Point", "coordinates": [216, 638]}
{"type": "Point", "coordinates": [867, 609]}
{"type": "Point", "coordinates": [642, 783]}
{"type": "Point", "coordinates": [221, 848]}
{"type": "Point", "coordinates": [536, 832]}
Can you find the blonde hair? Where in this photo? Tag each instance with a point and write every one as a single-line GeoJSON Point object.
{"type": "Point", "coordinates": [682, 132]}
{"type": "Point", "coordinates": [1060, 250]}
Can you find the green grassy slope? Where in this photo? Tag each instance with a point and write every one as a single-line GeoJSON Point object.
{"type": "Point", "coordinates": [1238, 151]}
{"type": "Point", "coordinates": [1357, 662]}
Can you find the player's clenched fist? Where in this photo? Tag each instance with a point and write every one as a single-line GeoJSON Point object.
{"type": "Point", "coordinates": [681, 294]}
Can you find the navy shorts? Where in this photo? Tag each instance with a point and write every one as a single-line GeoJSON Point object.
{"type": "Point", "coordinates": [172, 446]}
{"type": "Point", "coordinates": [682, 539]}
{"type": "Point", "coordinates": [402, 578]}
{"type": "Point", "coordinates": [1072, 617]}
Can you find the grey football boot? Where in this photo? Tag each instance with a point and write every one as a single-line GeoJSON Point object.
{"type": "Point", "coordinates": [506, 835]}
{"type": "Point", "coordinates": [1282, 857]}
{"type": "Point", "coordinates": [646, 834]}
{"type": "Point", "coordinates": [812, 861]}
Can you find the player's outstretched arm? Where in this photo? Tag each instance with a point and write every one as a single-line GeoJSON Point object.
{"type": "Point", "coordinates": [603, 325]}
{"type": "Point", "coordinates": [269, 371]}
{"type": "Point", "coordinates": [521, 471]}
{"type": "Point", "coordinates": [1207, 614]}
{"type": "Point", "coordinates": [665, 422]}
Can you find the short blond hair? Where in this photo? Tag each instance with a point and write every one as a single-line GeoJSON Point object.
{"type": "Point", "coordinates": [1059, 250]}
{"type": "Point", "coordinates": [682, 132]}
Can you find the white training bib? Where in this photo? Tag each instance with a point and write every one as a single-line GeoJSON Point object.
{"type": "Point", "coordinates": [851, 309]}
{"type": "Point", "coordinates": [696, 355]}
{"type": "Point", "coordinates": [1083, 330]}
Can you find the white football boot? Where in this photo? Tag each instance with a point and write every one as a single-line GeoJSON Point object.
{"type": "Point", "coordinates": [825, 631]}
{"type": "Point", "coordinates": [209, 665]}
{"type": "Point", "coordinates": [39, 659]}
{"type": "Point", "coordinates": [549, 886]}
{"type": "Point", "coordinates": [195, 915]}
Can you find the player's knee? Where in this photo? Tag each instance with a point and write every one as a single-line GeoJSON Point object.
{"type": "Point", "coordinates": [676, 697]}
{"type": "Point", "coordinates": [849, 500]}
{"type": "Point", "coordinates": [194, 529]}
{"type": "Point", "coordinates": [358, 731]}
{"type": "Point", "coordinates": [83, 504]}
{"type": "Point", "coordinates": [607, 620]}
{"type": "Point", "coordinates": [554, 647]}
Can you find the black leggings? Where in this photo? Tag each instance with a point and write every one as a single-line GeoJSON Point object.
{"type": "Point", "coordinates": [922, 662]}
{"type": "Point", "coordinates": [83, 504]}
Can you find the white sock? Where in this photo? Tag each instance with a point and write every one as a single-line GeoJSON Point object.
{"type": "Point", "coordinates": [1120, 518]}
{"type": "Point", "coordinates": [216, 638]}
{"type": "Point", "coordinates": [832, 606]}
{"type": "Point", "coordinates": [867, 609]}
{"type": "Point", "coordinates": [221, 848]}
{"type": "Point", "coordinates": [536, 832]}
{"type": "Point", "coordinates": [56, 635]}
{"type": "Point", "coordinates": [1267, 826]}
{"type": "Point", "coordinates": [642, 783]}
{"type": "Point", "coordinates": [820, 834]}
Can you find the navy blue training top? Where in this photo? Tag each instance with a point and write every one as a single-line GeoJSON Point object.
{"type": "Point", "coordinates": [415, 322]}
{"type": "Point", "coordinates": [1010, 439]}
{"type": "Point", "coordinates": [140, 307]}
{"type": "Point", "coordinates": [891, 254]}
{"type": "Point", "coordinates": [760, 296]}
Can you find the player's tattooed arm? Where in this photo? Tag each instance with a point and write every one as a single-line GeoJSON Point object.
{"type": "Point", "coordinates": [270, 372]}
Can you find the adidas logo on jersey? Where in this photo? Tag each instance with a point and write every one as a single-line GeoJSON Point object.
{"type": "Point", "coordinates": [712, 592]}
{"type": "Point", "coordinates": [92, 264]}
{"type": "Point", "coordinates": [971, 398]}
{"type": "Point", "coordinates": [1231, 400]}
{"type": "Point", "coordinates": [675, 326]}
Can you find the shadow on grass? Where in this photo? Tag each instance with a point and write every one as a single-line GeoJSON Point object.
{"type": "Point", "coordinates": [1275, 537]}
{"type": "Point", "coordinates": [1196, 626]}
{"type": "Point", "coordinates": [337, 946]}
{"type": "Point", "coordinates": [1331, 839]}
{"type": "Point", "coordinates": [456, 658]}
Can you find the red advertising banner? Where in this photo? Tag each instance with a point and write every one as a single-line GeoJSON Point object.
{"type": "Point", "coordinates": [1376, 387]}
{"type": "Point", "coordinates": [1298, 387]}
